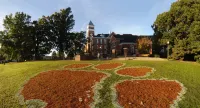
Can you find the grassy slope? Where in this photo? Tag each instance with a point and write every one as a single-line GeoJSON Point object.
{"type": "Point", "coordinates": [13, 76]}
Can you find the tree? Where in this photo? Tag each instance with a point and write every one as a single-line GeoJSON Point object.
{"type": "Point", "coordinates": [42, 37]}
{"type": "Point", "coordinates": [61, 24]}
{"type": "Point", "coordinates": [1, 54]}
{"type": "Point", "coordinates": [180, 25]}
{"type": "Point", "coordinates": [144, 45]}
{"type": "Point", "coordinates": [16, 40]}
{"type": "Point", "coordinates": [77, 43]}
{"type": "Point", "coordinates": [26, 40]}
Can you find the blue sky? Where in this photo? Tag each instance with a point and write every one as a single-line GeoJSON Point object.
{"type": "Point", "coordinates": [120, 16]}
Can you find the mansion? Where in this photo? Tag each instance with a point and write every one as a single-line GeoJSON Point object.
{"type": "Point", "coordinates": [111, 44]}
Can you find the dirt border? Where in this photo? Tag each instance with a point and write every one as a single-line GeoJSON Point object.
{"type": "Point", "coordinates": [93, 67]}
{"type": "Point", "coordinates": [175, 102]}
{"type": "Point", "coordinates": [43, 104]}
{"type": "Point", "coordinates": [147, 75]}
{"type": "Point", "coordinates": [91, 64]}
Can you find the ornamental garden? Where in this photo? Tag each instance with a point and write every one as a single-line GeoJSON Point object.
{"type": "Point", "coordinates": [83, 86]}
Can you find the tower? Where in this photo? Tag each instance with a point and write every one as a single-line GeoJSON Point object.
{"type": "Point", "coordinates": [89, 36]}
{"type": "Point", "coordinates": [90, 29]}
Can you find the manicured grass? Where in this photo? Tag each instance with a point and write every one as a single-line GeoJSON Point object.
{"type": "Point", "coordinates": [14, 75]}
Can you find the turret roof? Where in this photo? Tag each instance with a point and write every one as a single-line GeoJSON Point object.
{"type": "Point", "coordinates": [90, 23]}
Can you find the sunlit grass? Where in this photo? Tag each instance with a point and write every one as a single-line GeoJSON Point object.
{"type": "Point", "coordinates": [14, 75]}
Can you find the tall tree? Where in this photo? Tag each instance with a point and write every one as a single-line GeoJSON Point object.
{"type": "Point", "coordinates": [16, 40]}
{"type": "Point", "coordinates": [62, 23]}
{"type": "Point", "coordinates": [42, 37]}
{"type": "Point", "coordinates": [180, 26]}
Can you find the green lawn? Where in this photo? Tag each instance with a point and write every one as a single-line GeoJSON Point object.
{"type": "Point", "coordinates": [14, 75]}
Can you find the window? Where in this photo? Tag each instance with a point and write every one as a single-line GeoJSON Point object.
{"type": "Point", "coordinates": [97, 41]}
{"type": "Point", "coordinates": [100, 41]}
{"type": "Point", "coordinates": [105, 41]}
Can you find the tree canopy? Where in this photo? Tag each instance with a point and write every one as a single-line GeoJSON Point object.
{"type": "Point", "coordinates": [144, 45]}
{"type": "Point", "coordinates": [61, 24]}
{"type": "Point", "coordinates": [24, 39]}
{"type": "Point", "coordinates": [16, 39]}
{"type": "Point", "coordinates": [181, 27]}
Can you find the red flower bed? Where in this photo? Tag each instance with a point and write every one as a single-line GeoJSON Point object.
{"type": "Point", "coordinates": [135, 72]}
{"type": "Point", "coordinates": [108, 66]}
{"type": "Point", "coordinates": [77, 66]}
{"type": "Point", "coordinates": [63, 88]}
{"type": "Point", "coordinates": [147, 93]}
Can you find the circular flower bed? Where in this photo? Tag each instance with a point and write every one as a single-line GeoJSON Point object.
{"type": "Point", "coordinates": [108, 66]}
{"type": "Point", "coordinates": [135, 71]}
{"type": "Point", "coordinates": [148, 93]}
{"type": "Point", "coordinates": [63, 88]}
{"type": "Point", "coordinates": [76, 66]}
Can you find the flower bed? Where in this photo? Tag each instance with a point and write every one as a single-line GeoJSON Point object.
{"type": "Point", "coordinates": [63, 88]}
{"type": "Point", "coordinates": [148, 93]}
{"type": "Point", "coordinates": [76, 66]}
{"type": "Point", "coordinates": [135, 71]}
{"type": "Point", "coordinates": [108, 66]}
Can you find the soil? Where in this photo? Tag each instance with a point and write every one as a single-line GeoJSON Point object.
{"type": "Point", "coordinates": [63, 88]}
{"type": "Point", "coordinates": [147, 93]}
{"type": "Point", "coordinates": [135, 72]}
{"type": "Point", "coordinates": [77, 66]}
{"type": "Point", "coordinates": [108, 66]}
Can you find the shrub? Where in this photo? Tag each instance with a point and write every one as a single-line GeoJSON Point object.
{"type": "Point", "coordinates": [197, 58]}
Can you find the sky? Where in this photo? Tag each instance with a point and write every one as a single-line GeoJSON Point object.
{"type": "Point", "coordinates": [119, 16]}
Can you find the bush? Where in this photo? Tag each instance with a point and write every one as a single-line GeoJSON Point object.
{"type": "Point", "coordinates": [170, 57]}
{"type": "Point", "coordinates": [197, 58]}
